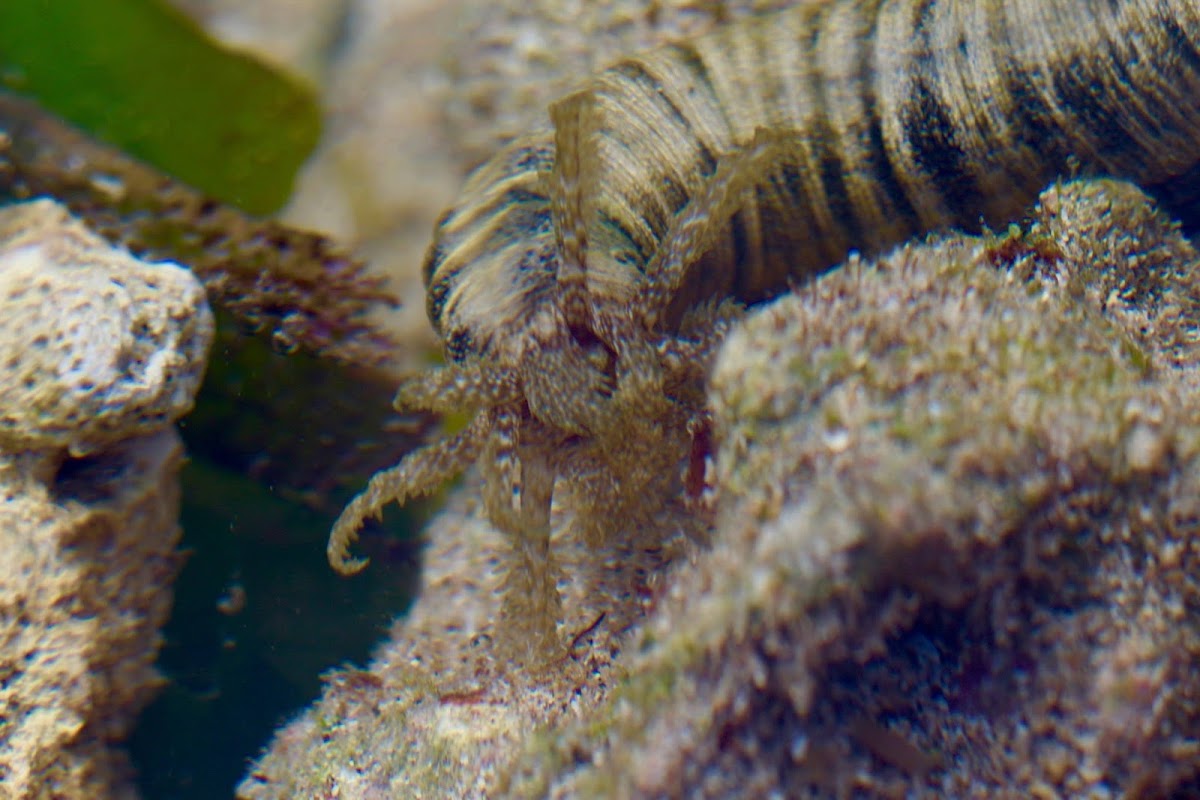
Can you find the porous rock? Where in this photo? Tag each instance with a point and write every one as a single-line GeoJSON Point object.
{"type": "Point", "coordinates": [99, 354]}
{"type": "Point", "coordinates": [95, 346]}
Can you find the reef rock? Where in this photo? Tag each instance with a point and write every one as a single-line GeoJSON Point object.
{"type": "Point", "coordinates": [956, 553]}
{"type": "Point", "coordinates": [99, 354]}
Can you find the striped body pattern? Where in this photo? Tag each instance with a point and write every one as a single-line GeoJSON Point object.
{"type": "Point", "coordinates": [591, 267]}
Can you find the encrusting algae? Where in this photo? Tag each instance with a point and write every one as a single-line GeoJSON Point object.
{"type": "Point", "coordinates": [955, 555]}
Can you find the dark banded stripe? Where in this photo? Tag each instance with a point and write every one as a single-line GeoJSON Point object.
{"type": "Point", "coordinates": [929, 122]}
{"type": "Point", "coordinates": [880, 168]}
{"type": "Point", "coordinates": [696, 66]}
{"type": "Point", "coordinates": [615, 219]}
{"type": "Point", "coordinates": [1091, 105]}
{"type": "Point", "coordinates": [823, 139]}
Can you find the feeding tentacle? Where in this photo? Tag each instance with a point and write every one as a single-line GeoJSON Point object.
{"type": "Point", "coordinates": [697, 227]}
{"type": "Point", "coordinates": [449, 389]}
{"type": "Point", "coordinates": [418, 473]}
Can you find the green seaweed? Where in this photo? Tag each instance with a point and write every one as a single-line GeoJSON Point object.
{"type": "Point", "coordinates": [141, 76]}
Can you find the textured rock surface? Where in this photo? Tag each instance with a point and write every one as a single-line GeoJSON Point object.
{"type": "Point", "coordinates": [95, 346]}
{"type": "Point", "coordinates": [99, 354]}
{"type": "Point", "coordinates": [956, 554]}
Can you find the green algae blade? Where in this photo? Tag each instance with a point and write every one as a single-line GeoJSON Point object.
{"type": "Point", "coordinates": [141, 76]}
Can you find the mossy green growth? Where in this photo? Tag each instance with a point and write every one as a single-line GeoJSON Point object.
{"type": "Point", "coordinates": [143, 77]}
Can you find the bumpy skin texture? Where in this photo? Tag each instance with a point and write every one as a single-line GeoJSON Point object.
{"type": "Point", "coordinates": [99, 354]}
{"type": "Point", "coordinates": [582, 281]}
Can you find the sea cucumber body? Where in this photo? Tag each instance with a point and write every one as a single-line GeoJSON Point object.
{"type": "Point", "coordinates": [902, 117]}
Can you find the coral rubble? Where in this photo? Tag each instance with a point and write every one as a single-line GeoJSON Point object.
{"type": "Point", "coordinates": [99, 354]}
{"type": "Point", "coordinates": [956, 554]}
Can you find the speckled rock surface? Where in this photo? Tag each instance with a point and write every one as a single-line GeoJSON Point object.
{"type": "Point", "coordinates": [99, 354]}
{"type": "Point", "coordinates": [95, 346]}
{"type": "Point", "coordinates": [956, 554]}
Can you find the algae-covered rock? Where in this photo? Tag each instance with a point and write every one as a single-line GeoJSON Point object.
{"type": "Point", "coordinates": [954, 555]}
{"type": "Point", "coordinates": [99, 354]}
{"type": "Point", "coordinates": [298, 287]}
